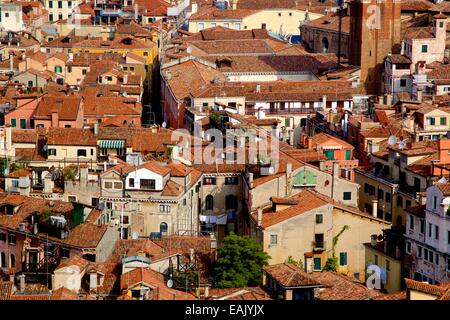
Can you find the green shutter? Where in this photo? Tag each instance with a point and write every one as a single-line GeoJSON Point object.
{"type": "Point", "coordinates": [343, 258]}
{"type": "Point", "coordinates": [300, 180]}
{"type": "Point", "coordinates": [23, 123]}
{"type": "Point", "coordinates": [443, 121]}
{"type": "Point", "coordinates": [13, 122]}
{"type": "Point", "coordinates": [348, 154]}
{"type": "Point", "coordinates": [329, 154]}
{"type": "Point", "coordinates": [347, 196]}
{"type": "Point", "coordinates": [317, 264]}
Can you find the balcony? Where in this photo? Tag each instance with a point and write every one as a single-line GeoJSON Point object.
{"type": "Point", "coordinates": [252, 111]}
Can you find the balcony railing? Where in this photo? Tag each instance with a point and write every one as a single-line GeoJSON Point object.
{"type": "Point", "coordinates": [318, 245]}
{"type": "Point", "coordinates": [251, 111]}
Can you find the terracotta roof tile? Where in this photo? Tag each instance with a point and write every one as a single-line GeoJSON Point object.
{"type": "Point", "coordinates": [289, 275]}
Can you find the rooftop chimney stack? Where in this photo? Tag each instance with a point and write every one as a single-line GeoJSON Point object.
{"type": "Point", "coordinates": [374, 208]}
{"type": "Point", "coordinates": [259, 216]}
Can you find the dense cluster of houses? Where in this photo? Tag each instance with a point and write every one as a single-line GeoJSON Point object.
{"type": "Point", "coordinates": [104, 106]}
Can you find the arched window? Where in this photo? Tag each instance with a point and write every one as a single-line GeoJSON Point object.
{"type": "Point", "coordinates": [163, 227]}
{"type": "Point", "coordinates": [325, 45]}
{"type": "Point", "coordinates": [12, 261]}
{"type": "Point", "coordinates": [3, 260]}
{"type": "Point", "coordinates": [209, 202]}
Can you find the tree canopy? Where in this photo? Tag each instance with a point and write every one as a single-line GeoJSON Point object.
{"type": "Point", "coordinates": [239, 262]}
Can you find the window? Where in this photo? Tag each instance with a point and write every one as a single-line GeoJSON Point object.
{"type": "Point", "coordinates": [434, 202]}
{"type": "Point", "coordinates": [343, 258]}
{"type": "Point", "coordinates": [67, 126]}
{"type": "Point", "coordinates": [69, 4]}
{"type": "Point", "coordinates": [263, 26]}
{"type": "Point", "coordinates": [388, 197]}
{"type": "Point", "coordinates": [3, 260]}
{"type": "Point", "coordinates": [348, 154]}
{"type": "Point", "coordinates": [408, 247]}
{"type": "Point", "coordinates": [411, 222]}
{"type": "Point", "coordinates": [232, 105]}
{"type": "Point", "coordinates": [163, 227]}
{"type": "Point", "coordinates": [50, 17]}
{"type": "Point", "coordinates": [213, 24]}
{"type": "Point", "coordinates": [237, 26]}
{"type": "Point", "coordinates": [380, 194]}
{"type": "Point", "coordinates": [375, 259]}
{"type": "Point", "coordinates": [94, 202]}
{"type": "Point", "coordinates": [15, 183]}
{"type": "Point", "coordinates": [50, 4]}
{"type": "Point", "coordinates": [347, 195]}
{"type": "Point", "coordinates": [84, 71]}
{"type": "Point", "coordinates": [108, 185]}
{"type": "Point", "coordinates": [209, 181]}
{"type": "Point", "coordinates": [436, 232]}
{"type": "Point", "coordinates": [317, 264]}
{"type": "Point", "coordinates": [402, 83]}
{"type": "Point", "coordinates": [388, 265]}
{"type": "Point", "coordinates": [13, 122]}
{"type": "Point", "coordinates": [71, 198]}
{"type": "Point", "coordinates": [431, 121]}
{"type": "Point", "coordinates": [65, 253]}
{"type": "Point", "coordinates": [231, 202]}
{"type": "Point", "coordinates": [118, 185]}
{"type": "Point", "coordinates": [59, 4]}
{"type": "Point", "coordinates": [419, 253]}
{"type": "Point", "coordinates": [148, 184]}
{"type": "Point", "coordinates": [12, 261]}
{"type": "Point", "coordinates": [329, 154]}
{"type": "Point", "coordinates": [60, 16]}
{"type": "Point", "coordinates": [52, 152]}
{"type": "Point", "coordinates": [430, 231]}
{"type": "Point", "coordinates": [436, 259]}
{"type": "Point", "coordinates": [58, 69]}
{"type": "Point", "coordinates": [81, 153]}
{"type": "Point", "coordinates": [448, 263]}
{"type": "Point", "coordinates": [408, 203]}
{"type": "Point", "coordinates": [226, 25]}
{"type": "Point", "coordinates": [443, 121]}
{"type": "Point", "coordinates": [12, 239]}
{"type": "Point", "coordinates": [231, 180]}
{"type": "Point", "coordinates": [209, 202]}
{"type": "Point", "coordinates": [273, 239]}
{"type": "Point", "coordinates": [164, 208]}
{"type": "Point", "coordinates": [3, 236]}
{"type": "Point", "coordinates": [200, 26]}
{"type": "Point", "coordinates": [422, 226]}
{"type": "Point", "coordinates": [425, 254]}
{"type": "Point", "coordinates": [424, 48]}
{"type": "Point", "coordinates": [125, 220]}
{"type": "Point", "coordinates": [131, 182]}
{"type": "Point", "coordinates": [319, 218]}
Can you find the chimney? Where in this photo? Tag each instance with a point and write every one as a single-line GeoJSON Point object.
{"type": "Point", "coordinates": [259, 216]}
{"type": "Point", "coordinates": [96, 129]}
{"type": "Point", "coordinates": [336, 168]}
{"type": "Point", "coordinates": [105, 167]}
{"type": "Point", "coordinates": [288, 178]}
{"type": "Point", "coordinates": [322, 166]}
{"type": "Point", "coordinates": [389, 99]}
{"type": "Point", "coordinates": [55, 119]}
{"type": "Point", "coordinates": [48, 184]}
{"type": "Point", "coordinates": [21, 283]}
{"type": "Point", "coordinates": [125, 78]}
{"type": "Point", "coordinates": [374, 208]}
{"type": "Point", "coordinates": [309, 142]}
{"type": "Point", "coordinates": [194, 7]}
{"type": "Point", "coordinates": [258, 88]}
{"type": "Point", "coordinates": [234, 4]}
{"type": "Point", "coordinates": [8, 137]}
{"type": "Point", "coordinates": [324, 101]}
{"type": "Point", "coordinates": [92, 281]}
{"type": "Point", "coordinates": [373, 240]}
{"type": "Point", "coordinates": [136, 12]}
{"type": "Point", "coordinates": [11, 62]}
{"type": "Point", "coordinates": [250, 179]}
{"type": "Point", "coordinates": [419, 94]}
{"type": "Point", "coordinates": [206, 291]}
{"type": "Point", "coordinates": [12, 274]}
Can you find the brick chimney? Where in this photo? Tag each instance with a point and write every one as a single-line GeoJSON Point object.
{"type": "Point", "coordinates": [55, 119]}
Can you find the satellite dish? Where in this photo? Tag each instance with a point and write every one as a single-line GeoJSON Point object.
{"type": "Point", "coordinates": [392, 140]}
{"type": "Point", "coordinates": [189, 50]}
{"type": "Point", "coordinates": [164, 124]}
{"type": "Point", "coordinates": [402, 145]}
{"type": "Point", "coordinates": [135, 236]}
{"type": "Point", "coordinates": [170, 283]}
{"type": "Point", "coordinates": [45, 148]}
{"type": "Point", "coordinates": [125, 94]}
{"type": "Point", "coordinates": [271, 170]}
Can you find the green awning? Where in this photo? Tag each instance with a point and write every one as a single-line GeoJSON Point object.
{"type": "Point", "coordinates": [111, 144]}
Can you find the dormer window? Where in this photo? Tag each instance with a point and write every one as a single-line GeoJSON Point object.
{"type": "Point", "coordinates": [149, 184]}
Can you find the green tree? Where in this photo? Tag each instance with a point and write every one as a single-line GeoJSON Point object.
{"type": "Point", "coordinates": [298, 263]}
{"type": "Point", "coordinates": [239, 262]}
